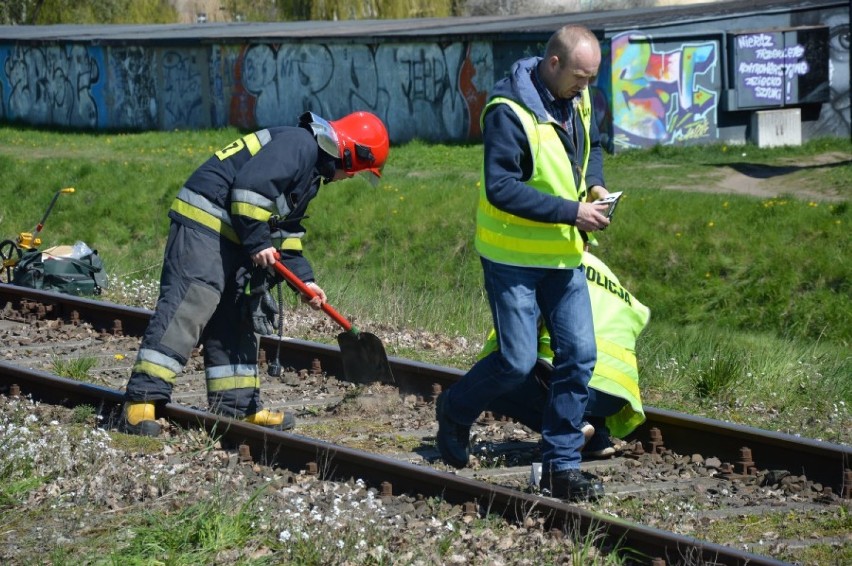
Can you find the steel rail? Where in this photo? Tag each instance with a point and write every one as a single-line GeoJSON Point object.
{"type": "Point", "coordinates": [333, 462]}
{"type": "Point", "coordinates": [823, 462]}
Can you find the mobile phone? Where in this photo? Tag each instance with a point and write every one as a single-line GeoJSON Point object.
{"type": "Point", "coordinates": [612, 201]}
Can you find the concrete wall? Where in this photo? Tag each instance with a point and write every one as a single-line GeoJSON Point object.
{"type": "Point", "coordinates": [668, 85]}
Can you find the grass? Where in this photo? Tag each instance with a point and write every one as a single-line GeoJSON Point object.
{"type": "Point", "coordinates": [74, 368]}
{"type": "Point", "coordinates": [749, 295]}
{"type": "Point", "coordinates": [791, 528]}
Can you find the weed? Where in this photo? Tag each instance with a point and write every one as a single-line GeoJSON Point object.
{"type": "Point", "coordinates": [75, 368]}
{"type": "Point", "coordinates": [136, 444]}
{"type": "Point", "coordinates": [84, 414]}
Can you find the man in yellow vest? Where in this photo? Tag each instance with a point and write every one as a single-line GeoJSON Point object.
{"type": "Point", "coordinates": [615, 404]}
{"type": "Point", "coordinates": [543, 167]}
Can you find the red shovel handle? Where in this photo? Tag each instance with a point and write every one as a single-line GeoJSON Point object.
{"type": "Point", "coordinates": [310, 293]}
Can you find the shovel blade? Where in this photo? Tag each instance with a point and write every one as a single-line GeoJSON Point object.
{"type": "Point", "coordinates": [364, 358]}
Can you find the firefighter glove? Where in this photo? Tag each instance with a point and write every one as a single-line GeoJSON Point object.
{"type": "Point", "coordinates": [262, 309]}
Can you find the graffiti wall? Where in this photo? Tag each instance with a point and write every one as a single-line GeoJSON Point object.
{"type": "Point", "coordinates": [53, 85]}
{"type": "Point", "coordinates": [424, 90]}
{"type": "Point", "coordinates": [779, 68]}
{"type": "Point", "coordinates": [421, 90]}
{"type": "Point", "coordinates": [663, 92]}
{"type": "Point", "coordinates": [664, 89]}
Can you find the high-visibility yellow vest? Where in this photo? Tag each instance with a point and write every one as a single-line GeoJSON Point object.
{"type": "Point", "coordinates": [506, 238]}
{"type": "Point", "coordinates": [619, 318]}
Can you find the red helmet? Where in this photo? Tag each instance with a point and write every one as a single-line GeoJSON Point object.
{"type": "Point", "coordinates": [359, 140]}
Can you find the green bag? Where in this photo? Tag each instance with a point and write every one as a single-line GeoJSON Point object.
{"type": "Point", "coordinates": [83, 276]}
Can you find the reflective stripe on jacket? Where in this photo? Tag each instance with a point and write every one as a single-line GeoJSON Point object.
{"type": "Point", "coordinates": [266, 175]}
{"type": "Point", "coordinates": [506, 238]}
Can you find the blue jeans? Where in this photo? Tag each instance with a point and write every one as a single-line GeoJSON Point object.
{"type": "Point", "coordinates": [526, 405]}
{"type": "Point", "coordinates": [517, 295]}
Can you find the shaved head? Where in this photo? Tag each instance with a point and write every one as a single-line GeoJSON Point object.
{"type": "Point", "coordinates": [566, 40]}
{"type": "Point", "coordinates": [571, 61]}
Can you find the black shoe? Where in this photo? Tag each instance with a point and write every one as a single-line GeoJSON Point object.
{"type": "Point", "coordinates": [453, 439]}
{"type": "Point", "coordinates": [572, 485]}
{"type": "Point", "coordinates": [144, 428]}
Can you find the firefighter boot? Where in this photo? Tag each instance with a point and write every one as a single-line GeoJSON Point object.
{"type": "Point", "coordinates": [272, 419]}
{"type": "Point", "coordinates": [139, 418]}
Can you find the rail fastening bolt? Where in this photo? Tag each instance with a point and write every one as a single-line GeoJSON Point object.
{"type": "Point", "coordinates": [387, 489]}
{"type": "Point", "coordinates": [117, 328]}
{"type": "Point", "coordinates": [656, 440]}
{"type": "Point", "coordinates": [745, 462]}
{"type": "Point", "coordinates": [316, 367]}
{"type": "Point", "coordinates": [311, 468]}
{"type": "Point", "coordinates": [436, 390]}
{"type": "Point", "coordinates": [245, 453]}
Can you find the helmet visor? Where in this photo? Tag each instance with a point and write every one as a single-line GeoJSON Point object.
{"type": "Point", "coordinates": [324, 133]}
{"type": "Point", "coordinates": [372, 176]}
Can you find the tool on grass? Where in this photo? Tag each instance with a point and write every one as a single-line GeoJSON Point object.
{"type": "Point", "coordinates": [363, 355]}
{"type": "Point", "coordinates": [11, 251]}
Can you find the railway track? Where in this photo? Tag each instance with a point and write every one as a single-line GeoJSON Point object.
{"type": "Point", "coordinates": [385, 435]}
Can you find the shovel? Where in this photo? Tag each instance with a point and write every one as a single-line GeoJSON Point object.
{"type": "Point", "coordinates": [363, 355]}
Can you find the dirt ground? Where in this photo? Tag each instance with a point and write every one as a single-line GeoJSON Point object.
{"type": "Point", "coordinates": [792, 178]}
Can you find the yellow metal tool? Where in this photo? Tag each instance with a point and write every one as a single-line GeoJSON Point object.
{"type": "Point", "coordinates": [11, 251]}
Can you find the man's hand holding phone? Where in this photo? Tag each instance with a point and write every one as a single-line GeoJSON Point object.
{"type": "Point", "coordinates": [611, 200]}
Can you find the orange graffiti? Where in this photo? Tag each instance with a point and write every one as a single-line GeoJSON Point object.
{"type": "Point", "coordinates": [242, 108]}
{"type": "Point", "coordinates": [475, 99]}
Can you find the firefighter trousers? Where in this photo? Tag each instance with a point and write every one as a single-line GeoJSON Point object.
{"type": "Point", "coordinates": [201, 302]}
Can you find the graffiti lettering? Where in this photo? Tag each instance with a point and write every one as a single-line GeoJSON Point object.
{"type": "Point", "coordinates": [798, 68]}
{"type": "Point", "coordinates": [764, 81]}
{"type": "Point", "coordinates": [794, 52]}
{"type": "Point", "coordinates": [693, 131]}
{"type": "Point", "coordinates": [758, 40]}
{"type": "Point", "coordinates": [426, 78]}
{"type": "Point", "coordinates": [50, 85]}
{"type": "Point", "coordinates": [659, 93]}
{"type": "Point", "coordinates": [767, 93]}
{"type": "Point", "coordinates": [764, 64]}
{"type": "Point", "coordinates": [181, 93]}
{"type": "Point", "coordinates": [761, 68]}
{"type": "Point", "coordinates": [133, 91]}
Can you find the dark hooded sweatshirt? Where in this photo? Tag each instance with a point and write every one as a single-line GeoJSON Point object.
{"type": "Point", "coordinates": [508, 163]}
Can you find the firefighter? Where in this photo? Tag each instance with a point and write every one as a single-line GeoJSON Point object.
{"type": "Point", "coordinates": [615, 404]}
{"type": "Point", "coordinates": [234, 214]}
